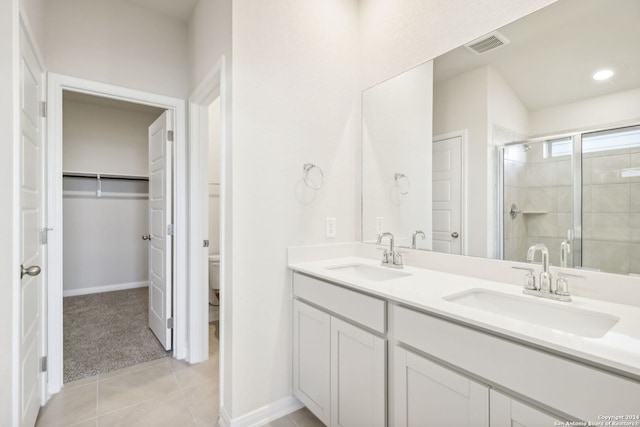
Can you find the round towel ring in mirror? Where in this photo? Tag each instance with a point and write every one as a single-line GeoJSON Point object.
{"type": "Point", "coordinates": [312, 176]}
{"type": "Point", "coordinates": [402, 182]}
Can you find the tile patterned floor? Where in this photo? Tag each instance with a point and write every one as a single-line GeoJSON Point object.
{"type": "Point", "coordinates": [163, 392]}
{"type": "Point", "coordinates": [160, 393]}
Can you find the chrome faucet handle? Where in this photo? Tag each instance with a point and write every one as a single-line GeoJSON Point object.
{"type": "Point", "coordinates": [562, 284]}
{"type": "Point", "coordinates": [546, 283]}
{"type": "Point", "coordinates": [530, 279]}
{"type": "Point", "coordinates": [397, 258]}
{"type": "Point", "coordinates": [385, 254]}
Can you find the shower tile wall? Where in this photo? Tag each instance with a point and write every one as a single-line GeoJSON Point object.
{"type": "Point", "coordinates": [541, 188]}
{"type": "Point", "coordinates": [611, 211]}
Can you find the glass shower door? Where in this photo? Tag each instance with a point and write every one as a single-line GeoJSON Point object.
{"type": "Point", "coordinates": [611, 200]}
{"type": "Point", "coordinates": [537, 198]}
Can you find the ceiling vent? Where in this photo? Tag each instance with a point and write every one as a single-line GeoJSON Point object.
{"type": "Point", "coordinates": [487, 43]}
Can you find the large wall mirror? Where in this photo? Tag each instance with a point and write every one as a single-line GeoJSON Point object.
{"type": "Point", "coordinates": [530, 134]}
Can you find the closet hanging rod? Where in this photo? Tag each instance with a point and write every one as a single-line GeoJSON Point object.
{"type": "Point", "coordinates": [104, 176]}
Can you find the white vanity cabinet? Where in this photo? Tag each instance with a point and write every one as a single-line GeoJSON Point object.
{"type": "Point", "coordinates": [311, 355]}
{"type": "Point", "coordinates": [427, 394]}
{"type": "Point", "coordinates": [339, 368]}
{"type": "Point", "coordinates": [438, 369]}
{"type": "Point", "coordinates": [507, 412]}
{"type": "Point", "coordinates": [562, 385]}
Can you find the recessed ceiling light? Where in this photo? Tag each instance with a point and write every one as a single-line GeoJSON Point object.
{"type": "Point", "coordinates": [603, 75]}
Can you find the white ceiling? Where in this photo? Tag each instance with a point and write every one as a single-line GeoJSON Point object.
{"type": "Point", "coordinates": [179, 9]}
{"type": "Point", "coordinates": [554, 52]}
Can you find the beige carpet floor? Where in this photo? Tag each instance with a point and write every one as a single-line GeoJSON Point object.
{"type": "Point", "coordinates": [107, 331]}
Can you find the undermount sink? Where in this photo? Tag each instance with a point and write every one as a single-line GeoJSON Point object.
{"type": "Point", "coordinates": [369, 272]}
{"type": "Point", "coordinates": [585, 323]}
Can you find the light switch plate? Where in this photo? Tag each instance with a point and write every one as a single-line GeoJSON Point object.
{"type": "Point", "coordinates": [379, 224]}
{"type": "Point", "coordinates": [331, 227]}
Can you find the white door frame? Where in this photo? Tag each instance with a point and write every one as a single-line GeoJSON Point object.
{"type": "Point", "coordinates": [56, 84]}
{"type": "Point", "coordinates": [464, 224]}
{"type": "Point", "coordinates": [213, 85]}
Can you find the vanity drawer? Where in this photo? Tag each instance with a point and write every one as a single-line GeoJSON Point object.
{"type": "Point", "coordinates": [568, 386]}
{"type": "Point", "coordinates": [360, 308]}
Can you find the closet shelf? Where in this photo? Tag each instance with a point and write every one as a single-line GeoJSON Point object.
{"type": "Point", "coordinates": [104, 195]}
{"type": "Point", "coordinates": [70, 174]}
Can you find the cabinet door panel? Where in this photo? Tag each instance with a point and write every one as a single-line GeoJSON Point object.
{"type": "Point", "coordinates": [358, 374]}
{"type": "Point", "coordinates": [507, 412]}
{"type": "Point", "coordinates": [311, 359]}
{"type": "Point", "coordinates": [427, 394]}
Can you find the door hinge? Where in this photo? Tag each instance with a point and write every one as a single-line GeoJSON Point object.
{"type": "Point", "coordinates": [43, 109]}
{"type": "Point", "coordinates": [171, 230]}
{"type": "Point", "coordinates": [44, 235]}
{"type": "Point", "coordinates": [170, 135]}
{"type": "Point", "coordinates": [205, 243]}
{"type": "Point", "coordinates": [170, 323]}
{"type": "Point", "coordinates": [43, 364]}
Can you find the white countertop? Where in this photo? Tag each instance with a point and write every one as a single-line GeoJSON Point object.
{"type": "Point", "coordinates": [618, 349]}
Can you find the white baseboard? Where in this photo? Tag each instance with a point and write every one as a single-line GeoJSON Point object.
{"type": "Point", "coordinates": [263, 415]}
{"type": "Point", "coordinates": [224, 420]}
{"type": "Point", "coordinates": [107, 288]}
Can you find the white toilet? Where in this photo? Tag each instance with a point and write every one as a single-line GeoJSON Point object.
{"type": "Point", "coordinates": [214, 278]}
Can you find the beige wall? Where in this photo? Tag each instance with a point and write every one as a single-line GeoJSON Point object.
{"type": "Point", "coordinates": [602, 111]}
{"type": "Point", "coordinates": [116, 42]}
{"type": "Point", "coordinates": [396, 138]}
{"type": "Point", "coordinates": [101, 243]}
{"type": "Point", "coordinates": [209, 37]}
{"type": "Point", "coordinates": [296, 100]}
{"type": "Point", "coordinates": [462, 103]}
{"type": "Point", "coordinates": [33, 12]}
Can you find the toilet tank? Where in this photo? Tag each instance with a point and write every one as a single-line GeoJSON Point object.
{"type": "Point", "coordinates": [214, 272]}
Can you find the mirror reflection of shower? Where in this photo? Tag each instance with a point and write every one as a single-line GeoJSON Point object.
{"type": "Point", "coordinates": [599, 219]}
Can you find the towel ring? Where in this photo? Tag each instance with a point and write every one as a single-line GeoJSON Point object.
{"type": "Point", "coordinates": [402, 182]}
{"type": "Point", "coordinates": [308, 167]}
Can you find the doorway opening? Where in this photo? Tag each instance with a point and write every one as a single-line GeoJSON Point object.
{"type": "Point", "coordinates": [210, 225]}
{"type": "Point", "coordinates": [116, 187]}
{"type": "Point", "coordinates": [107, 237]}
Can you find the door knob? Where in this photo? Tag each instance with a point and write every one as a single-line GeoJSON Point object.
{"type": "Point", "coordinates": [34, 270]}
{"type": "Point", "coordinates": [147, 237]}
{"type": "Point", "coordinates": [455, 234]}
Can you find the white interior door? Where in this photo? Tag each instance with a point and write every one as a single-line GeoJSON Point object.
{"type": "Point", "coordinates": [160, 223]}
{"type": "Point", "coordinates": [31, 226]}
{"type": "Point", "coordinates": [447, 195]}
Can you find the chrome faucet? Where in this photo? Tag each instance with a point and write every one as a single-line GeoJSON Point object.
{"type": "Point", "coordinates": [545, 276]}
{"type": "Point", "coordinates": [390, 258]}
{"type": "Point", "coordinates": [416, 234]}
{"type": "Point", "coordinates": [545, 288]}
